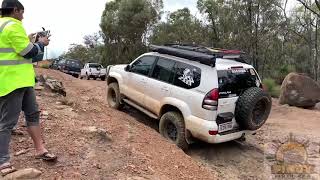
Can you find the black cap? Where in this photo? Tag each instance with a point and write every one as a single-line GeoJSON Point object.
{"type": "Point", "coordinates": [11, 4]}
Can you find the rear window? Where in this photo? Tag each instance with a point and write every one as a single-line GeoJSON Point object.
{"type": "Point", "coordinates": [95, 66]}
{"type": "Point", "coordinates": [233, 82]}
{"type": "Point", "coordinates": [73, 64]}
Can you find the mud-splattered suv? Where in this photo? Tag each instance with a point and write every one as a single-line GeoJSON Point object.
{"type": "Point", "coordinates": [195, 92]}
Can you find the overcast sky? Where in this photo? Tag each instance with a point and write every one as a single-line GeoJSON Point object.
{"type": "Point", "coordinates": [70, 20]}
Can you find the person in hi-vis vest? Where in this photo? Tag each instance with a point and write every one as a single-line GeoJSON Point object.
{"type": "Point", "coordinates": [17, 79]}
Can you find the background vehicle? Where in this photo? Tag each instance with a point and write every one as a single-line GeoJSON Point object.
{"type": "Point", "coordinates": [93, 70]}
{"type": "Point", "coordinates": [70, 66]}
{"type": "Point", "coordinates": [54, 64]}
{"type": "Point", "coordinates": [195, 92]}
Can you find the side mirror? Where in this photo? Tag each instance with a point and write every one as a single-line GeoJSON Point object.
{"type": "Point", "coordinates": [127, 68]}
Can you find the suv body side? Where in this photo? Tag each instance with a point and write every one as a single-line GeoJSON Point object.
{"type": "Point", "coordinates": [151, 93]}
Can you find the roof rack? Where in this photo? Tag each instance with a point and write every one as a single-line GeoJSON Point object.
{"type": "Point", "coordinates": [204, 58]}
{"type": "Point", "coordinates": [236, 55]}
{"type": "Point", "coordinates": [191, 52]}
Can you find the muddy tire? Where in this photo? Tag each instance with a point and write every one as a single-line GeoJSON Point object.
{"type": "Point", "coordinates": [113, 96]}
{"type": "Point", "coordinates": [172, 127]}
{"type": "Point", "coordinates": [253, 108]}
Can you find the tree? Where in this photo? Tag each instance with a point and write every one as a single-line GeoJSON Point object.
{"type": "Point", "coordinates": [125, 25]}
{"type": "Point", "coordinates": [180, 27]}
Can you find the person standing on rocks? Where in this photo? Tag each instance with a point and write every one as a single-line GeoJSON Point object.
{"type": "Point", "coordinates": [17, 79]}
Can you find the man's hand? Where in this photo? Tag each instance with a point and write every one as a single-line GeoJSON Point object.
{"type": "Point", "coordinates": [32, 37]}
{"type": "Point", "coordinates": [44, 40]}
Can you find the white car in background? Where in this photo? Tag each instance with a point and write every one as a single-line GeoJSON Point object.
{"type": "Point", "coordinates": [93, 70]}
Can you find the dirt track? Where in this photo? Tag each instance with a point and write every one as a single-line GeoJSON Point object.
{"type": "Point", "coordinates": [134, 149]}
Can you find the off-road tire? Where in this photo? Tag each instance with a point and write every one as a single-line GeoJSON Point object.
{"type": "Point", "coordinates": [176, 119]}
{"type": "Point", "coordinates": [253, 108]}
{"type": "Point", "coordinates": [114, 96]}
{"type": "Point", "coordinates": [94, 78]}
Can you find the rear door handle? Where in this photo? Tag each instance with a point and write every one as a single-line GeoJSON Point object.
{"type": "Point", "coordinates": [143, 81]}
{"type": "Point", "coordinates": [165, 89]}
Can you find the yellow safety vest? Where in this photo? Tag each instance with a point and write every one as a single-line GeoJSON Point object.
{"type": "Point", "coordinates": [15, 71]}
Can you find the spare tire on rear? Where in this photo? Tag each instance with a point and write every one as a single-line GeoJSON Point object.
{"type": "Point", "coordinates": [253, 108]}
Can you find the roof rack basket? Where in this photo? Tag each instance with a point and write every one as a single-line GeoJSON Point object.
{"type": "Point", "coordinates": [203, 58]}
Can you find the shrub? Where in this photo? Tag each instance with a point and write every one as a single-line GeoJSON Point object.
{"type": "Point", "coordinates": [45, 66]}
{"type": "Point", "coordinates": [272, 87]}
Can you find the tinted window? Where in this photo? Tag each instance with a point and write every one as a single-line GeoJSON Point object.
{"type": "Point", "coordinates": [143, 65]}
{"type": "Point", "coordinates": [62, 61]}
{"type": "Point", "coordinates": [95, 66]}
{"type": "Point", "coordinates": [233, 82]}
{"type": "Point", "coordinates": [187, 76]}
{"type": "Point", "coordinates": [73, 63]}
{"type": "Point", "coordinates": [164, 70]}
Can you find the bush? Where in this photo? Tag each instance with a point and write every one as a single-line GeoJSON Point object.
{"type": "Point", "coordinates": [45, 66]}
{"type": "Point", "coordinates": [272, 87]}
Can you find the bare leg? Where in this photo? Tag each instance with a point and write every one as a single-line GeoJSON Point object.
{"type": "Point", "coordinates": [35, 133]}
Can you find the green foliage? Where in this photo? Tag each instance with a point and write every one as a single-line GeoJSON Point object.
{"type": "Point", "coordinates": [272, 87]}
{"type": "Point", "coordinates": [126, 24]}
{"type": "Point", "coordinates": [45, 66]}
{"type": "Point", "coordinates": [276, 42]}
{"type": "Point", "coordinates": [180, 27]}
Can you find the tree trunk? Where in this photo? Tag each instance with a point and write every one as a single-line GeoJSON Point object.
{"type": "Point", "coordinates": [316, 66]}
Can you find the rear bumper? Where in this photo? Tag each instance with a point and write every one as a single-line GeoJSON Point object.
{"type": "Point", "coordinates": [200, 128]}
{"type": "Point", "coordinates": [98, 75]}
{"type": "Point", "coordinates": [71, 72]}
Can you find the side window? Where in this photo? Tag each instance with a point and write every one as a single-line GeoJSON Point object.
{"type": "Point", "coordinates": [143, 65]}
{"type": "Point", "coordinates": [164, 70]}
{"type": "Point", "coordinates": [187, 76]}
{"type": "Point", "coordinates": [62, 61]}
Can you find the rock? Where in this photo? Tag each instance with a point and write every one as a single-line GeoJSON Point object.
{"type": "Point", "coordinates": [58, 103]}
{"type": "Point", "coordinates": [55, 85]}
{"type": "Point", "coordinates": [23, 151]}
{"type": "Point", "coordinates": [300, 91]}
{"type": "Point", "coordinates": [101, 133]}
{"type": "Point", "coordinates": [136, 178]}
{"type": "Point", "coordinates": [45, 113]}
{"type": "Point", "coordinates": [38, 88]}
{"type": "Point", "coordinates": [29, 173]}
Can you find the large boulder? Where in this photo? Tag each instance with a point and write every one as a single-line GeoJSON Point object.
{"type": "Point", "coordinates": [300, 91]}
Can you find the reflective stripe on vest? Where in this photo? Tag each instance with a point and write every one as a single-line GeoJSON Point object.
{"type": "Point", "coordinates": [14, 62]}
{"type": "Point", "coordinates": [4, 25]}
{"type": "Point", "coordinates": [6, 50]}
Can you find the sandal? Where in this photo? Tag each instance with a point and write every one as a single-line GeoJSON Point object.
{"type": "Point", "coordinates": [7, 169]}
{"type": "Point", "coordinates": [47, 157]}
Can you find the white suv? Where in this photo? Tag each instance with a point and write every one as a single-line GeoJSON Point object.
{"type": "Point", "coordinates": [195, 92]}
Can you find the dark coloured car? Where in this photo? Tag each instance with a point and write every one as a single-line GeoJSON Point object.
{"type": "Point", "coordinates": [70, 66]}
{"type": "Point", "coordinates": [54, 64]}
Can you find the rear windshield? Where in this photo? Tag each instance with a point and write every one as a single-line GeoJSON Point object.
{"type": "Point", "coordinates": [233, 82]}
{"type": "Point", "coordinates": [73, 63]}
{"type": "Point", "coordinates": [95, 66]}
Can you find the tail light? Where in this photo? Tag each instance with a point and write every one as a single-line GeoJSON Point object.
{"type": "Point", "coordinates": [210, 101]}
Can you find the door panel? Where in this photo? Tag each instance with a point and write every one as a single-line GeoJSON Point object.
{"type": "Point", "coordinates": [137, 78]}
{"type": "Point", "coordinates": [159, 85]}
